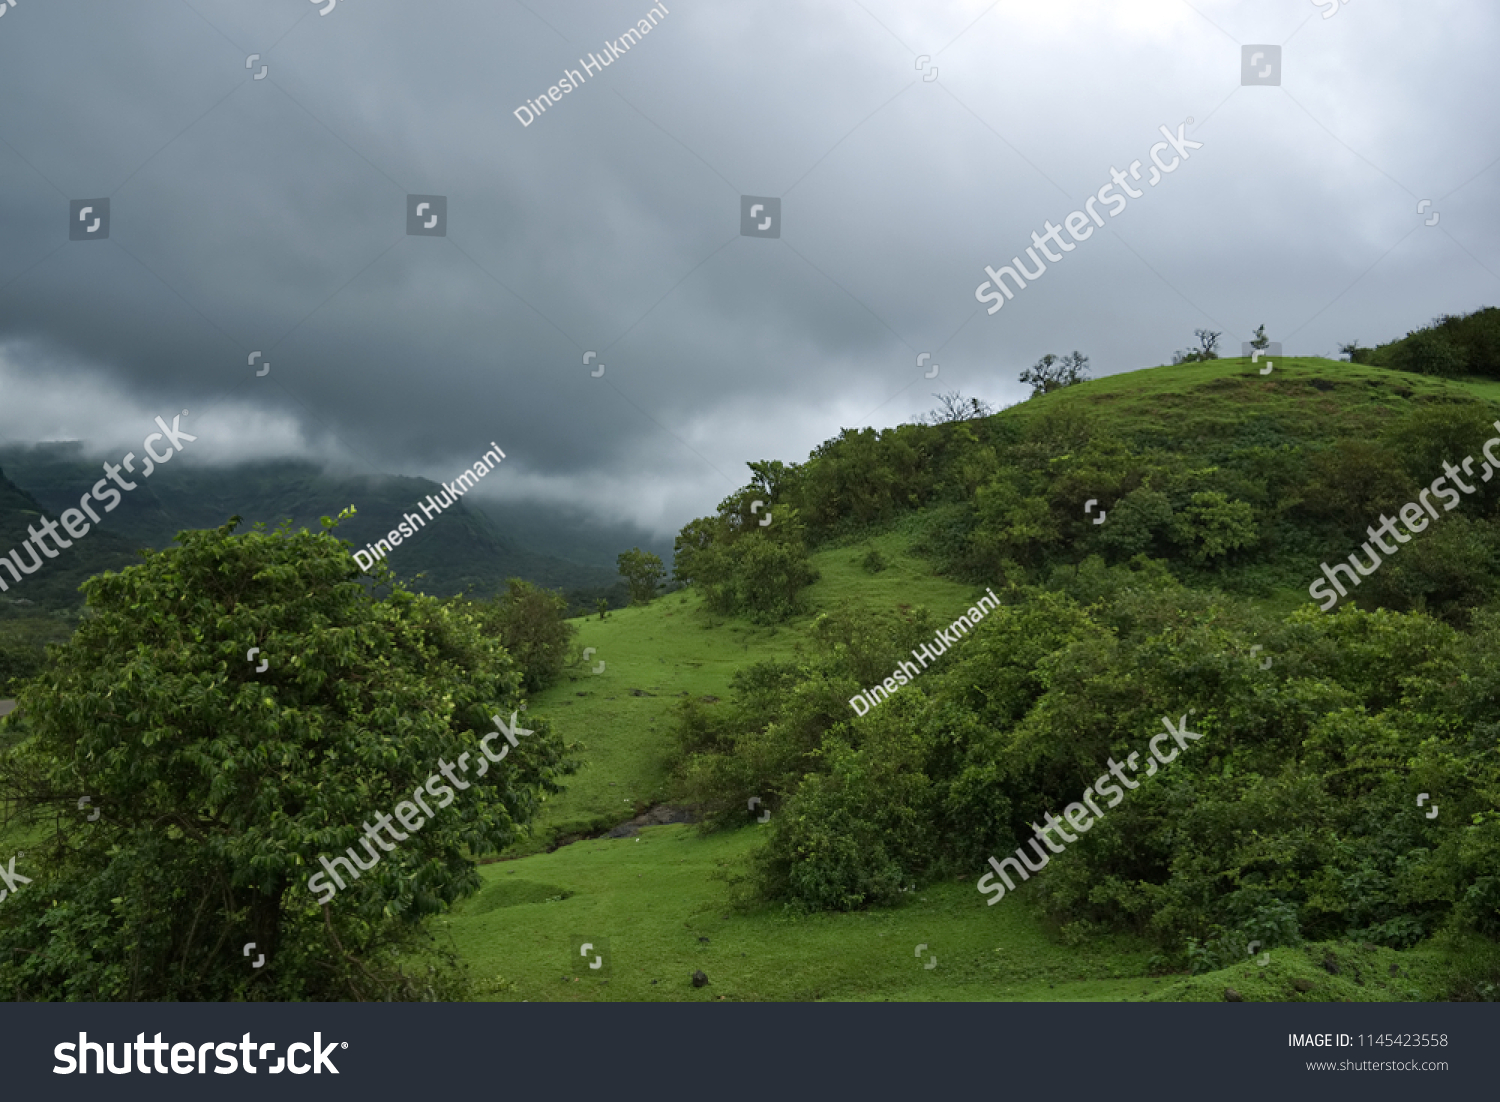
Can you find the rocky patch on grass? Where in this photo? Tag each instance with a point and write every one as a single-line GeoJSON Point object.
{"type": "Point", "coordinates": [660, 815]}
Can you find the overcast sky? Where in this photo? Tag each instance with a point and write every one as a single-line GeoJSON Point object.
{"type": "Point", "coordinates": [910, 142]}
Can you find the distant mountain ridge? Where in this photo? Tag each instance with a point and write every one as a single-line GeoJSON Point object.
{"type": "Point", "coordinates": [463, 548]}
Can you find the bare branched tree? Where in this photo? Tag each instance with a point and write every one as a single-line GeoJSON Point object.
{"type": "Point", "coordinates": [1208, 348]}
{"type": "Point", "coordinates": [953, 406]}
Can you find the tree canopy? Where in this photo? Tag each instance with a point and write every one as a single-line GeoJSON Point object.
{"type": "Point", "coordinates": [220, 777]}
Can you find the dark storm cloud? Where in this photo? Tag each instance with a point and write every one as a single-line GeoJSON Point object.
{"type": "Point", "coordinates": [270, 215]}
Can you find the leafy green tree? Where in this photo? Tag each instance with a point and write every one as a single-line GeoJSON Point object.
{"type": "Point", "coordinates": [760, 572]}
{"type": "Point", "coordinates": [219, 785]}
{"type": "Point", "coordinates": [1260, 340]}
{"type": "Point", "coordinates": [1055, 372]}
{"type": "Point", "coordinates": [1430, 352]}
{"type": "Point", "coordinates": [696, 540]}
{"type": "Point", "coordinates": [643, 571]}
{"type": "Point", "coordinates": [530, 623]}
{"type": "Point", "coordinates": [1211, 525]}
{"type": "Point", "coordinates": [774, 479]}
{"type": "Point", "coordinates": [602, 606]}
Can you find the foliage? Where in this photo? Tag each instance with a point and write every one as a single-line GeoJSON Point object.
{"type": "Point", "coordinates": [746, 560]}
{"type": "Point", "coordinates": [530, 623]}
{"type": "Point", "coordinates": [1454, 344]}
{"type": "Point", "coordinates": [1208, 348]}
{"type": "Point", "coordinates": [219, 787]}
{"type": "Point", "coordinates": [1055, 372]}
{"type": "Point", "coordinates": [1430, 352]}
{"type": "Point", "coordinates": [643, 571]}
{"type": "Point", "coordinates": [1292, 817]}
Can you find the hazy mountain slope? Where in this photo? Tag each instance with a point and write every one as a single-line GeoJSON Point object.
{"type": "Point", "coordinates": [459, 548]}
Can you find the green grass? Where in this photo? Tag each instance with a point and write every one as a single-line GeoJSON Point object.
{"type": "Point", "coordinates": [1305, 396]}
{"type": "Point", "coordinates": [668, 650]}
{"type": "Point", "coordinates": [655, 895]}
{"type": "Point", "coordinates": [908, 579]}
{"type": "Point", "coordinates": [674, 648]}
{"type": "Point", "coordinates": [654, 899]}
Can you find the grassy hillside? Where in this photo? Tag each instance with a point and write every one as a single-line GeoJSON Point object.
{"type": "Point", "coordinates": [655, 894]}
{"type": "Point", "coordinates": [658, 894]}
{"type": "Point", "coordinates": [1295, 809]}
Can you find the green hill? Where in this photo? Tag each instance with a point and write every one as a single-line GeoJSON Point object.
{"type": "Point", "coordinates": [1148, 536]}
{"type": "Point", "coordinates": [1297, 462]}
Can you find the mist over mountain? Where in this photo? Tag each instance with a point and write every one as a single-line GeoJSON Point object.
{"type": "Point", "coordinates": [474, 545]}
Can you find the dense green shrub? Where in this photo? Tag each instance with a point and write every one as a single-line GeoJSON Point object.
{"type": "Point", "coordinates": [744, 567]}
{"type": "Point", "coordinates": [1293, 816]}
{"type": "Point", "coordinates": [1451, 345]}
{"type": "Point", "coordinates": [1430, 352]}
{"type": "Point", "coordinates": [530, 622]}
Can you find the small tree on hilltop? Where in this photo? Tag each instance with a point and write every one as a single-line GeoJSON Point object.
{"type": "Point", "coordinates": [1260, 340]}
{"type": "Point", "coordinates": [643, 572]}
{"type": "Point", "coordinates": [953, 407]}
{"type": "Point", "coordinates": [1208, 348]}
{"type": "Point", "coordinates": [1055, 372]}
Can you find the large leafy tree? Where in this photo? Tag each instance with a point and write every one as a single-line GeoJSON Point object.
{"type": "Point", "coordinates": [219, 786]}
{"type": "Point", "coordinates": [530, 622]}
{"type": "Point", "coordinates": [643, 571]}
{"type": "Point", "coordinates": [747, 559]}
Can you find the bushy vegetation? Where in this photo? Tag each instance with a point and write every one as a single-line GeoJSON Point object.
{"type": "Point", "coordinates": [1454, 344]}
{"type": "Point", "coordinates": [530, 623]}
{"type": "Point", "coordinates": [219, 786]}
{"type": "Point", "coordinates": [643, 572]}
{"type": "Point", "coordinates": [742, 565]}
{"type": "Point", "coordinates": [1293, 817]}
{"type": "Point", "coordinates": [1247, 509]}
{"type": "Point", "coordinates": [1053, 372]}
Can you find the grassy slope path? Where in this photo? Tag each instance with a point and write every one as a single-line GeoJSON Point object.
{"type": "Point", "coordinates": [655, 897]}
